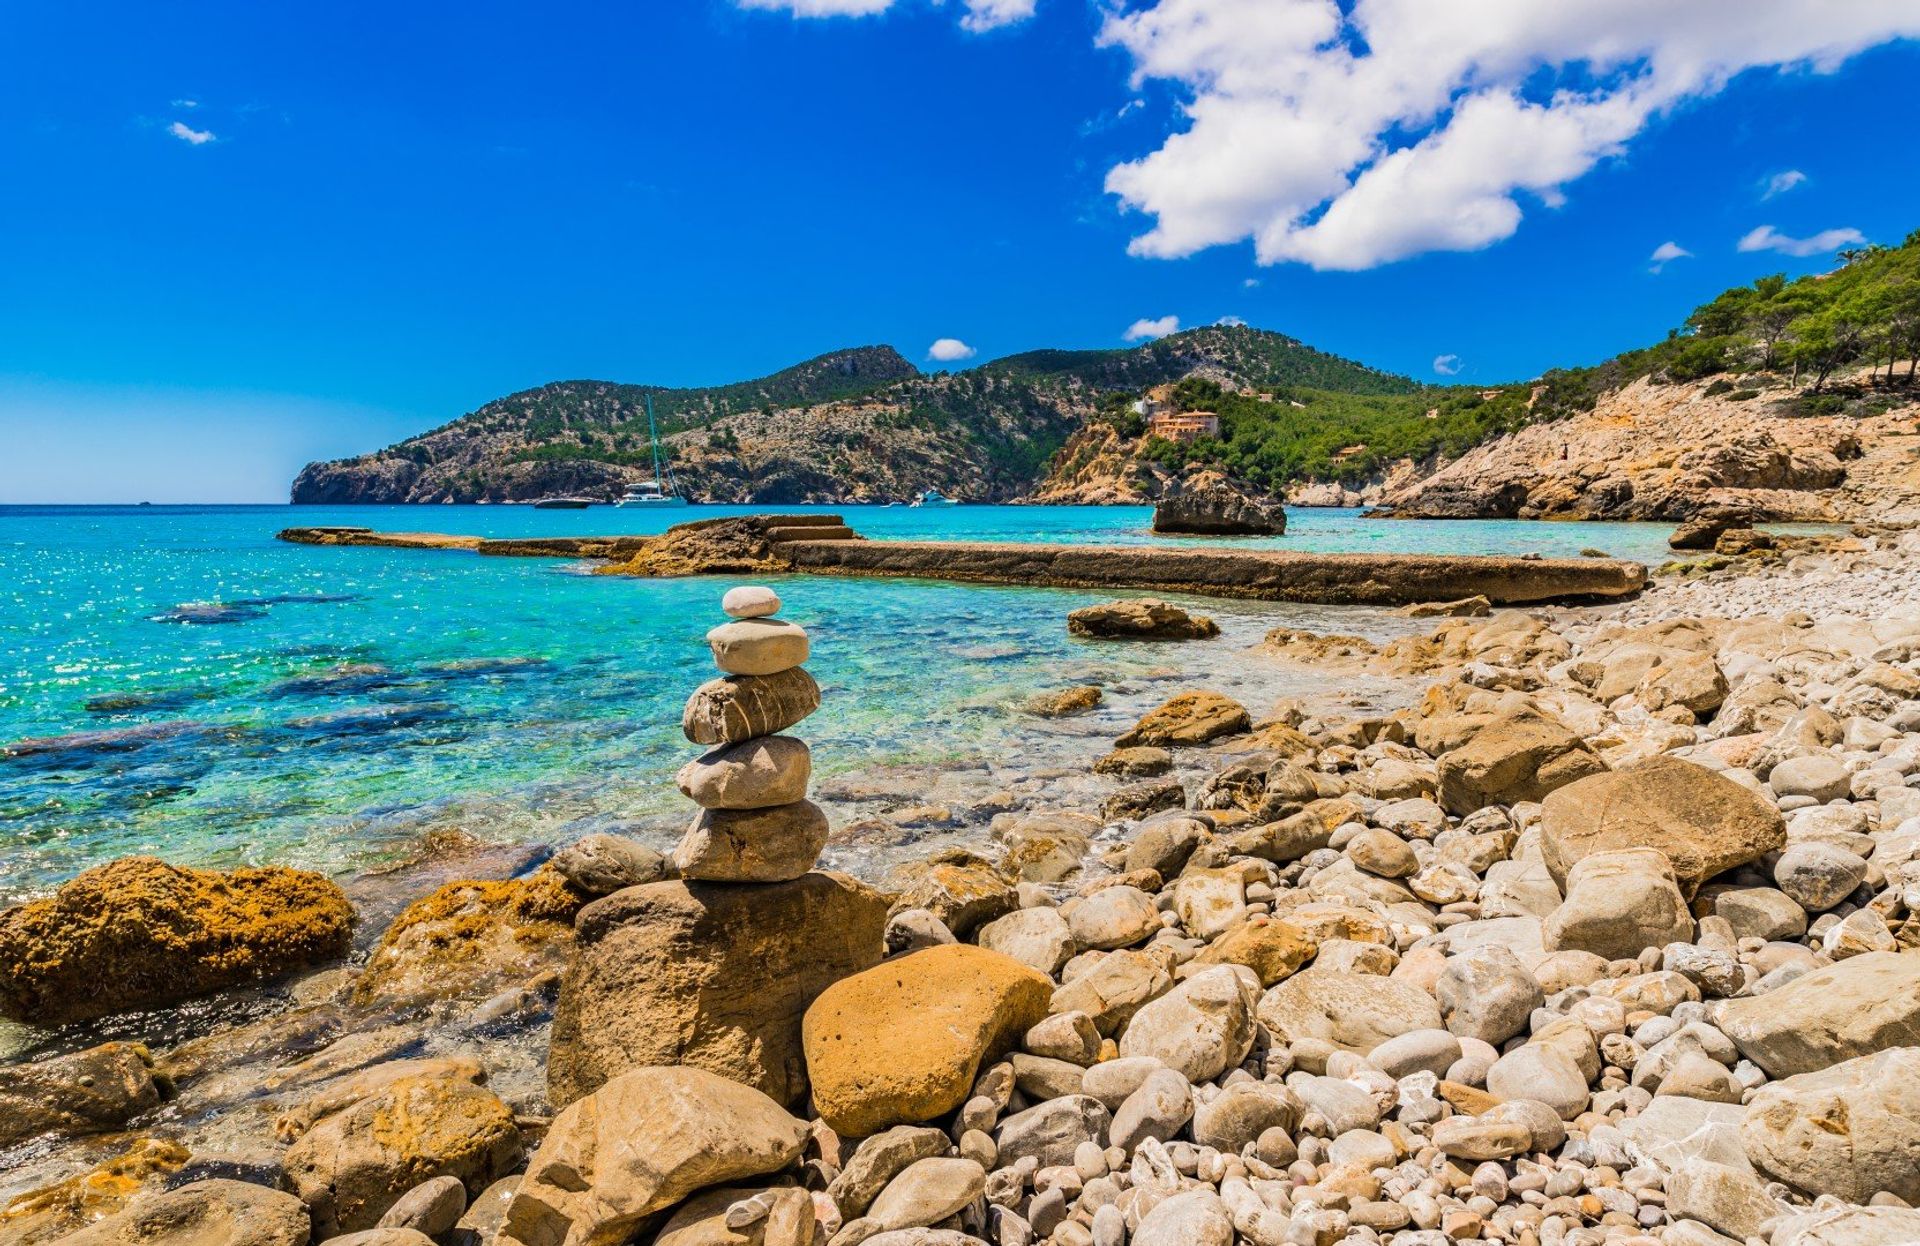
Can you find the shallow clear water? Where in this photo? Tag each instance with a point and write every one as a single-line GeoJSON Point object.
{"type": "Point", "coordinates": [335, 704]}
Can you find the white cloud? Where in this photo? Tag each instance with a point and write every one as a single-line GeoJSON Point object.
{"type": "Point", "coordinates": [1144, 330]}
{"type": "Point", "coordinates": [1447, 365]}
{"type": "Point", "coordinates": [980, 15]}
{"type": "Point", "coordinates": [1251, 283]}
{"type": "Point", "coordinates": [186, 103]}
{"type": "Point", "coordinates": [1781, 183]}
{"type": "Point", "coordinates": [187, 134]}
{"type": "Point", "coordinates": [1346, 137]}
{"type": "Point", "coordinates": [820, 8]}
{"type": "Point", "coordinates": [950, 350]}
{"type": "Point", "coordinates": [1231, 322]}
{"type": "Point", "coordinates": [1767, 238]}
{"type": "Point", "coordinates": [1666, 253]}
{"type": "Point", "coordinates": [990, 14]}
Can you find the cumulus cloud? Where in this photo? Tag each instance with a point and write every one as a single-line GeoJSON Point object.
{"type": "Point", "coordinates": [820, 8]}
{"type": "Point", "coordinates": [950, 350]}
{"type": "Point", "coordinates": [1781, 183]}
{"type": "Point", "coordinates": [186, 103]}
{"type": "Point", "coordinates": [1144, 330]}
{"type": "Point", "coordinates": [989, 14]}
{"type": "Point", "coordinates": [1767, 238]}
{"type": "Point", "coordinates": [1348, 137]}
{"type": "Point", "coordinates": [980, 15]}
{"type": "Point", "coordinates": [1447, 365]}
{"type": "Point", "coordinates": [187, 134]}
{"type": "Point", "coordinates": [1231, 322]}
{"type": "Point", "coordinates": [1666, 253]}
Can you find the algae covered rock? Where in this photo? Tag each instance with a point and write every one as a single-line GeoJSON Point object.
{"type": "Point", "coordinates": [355, 1164]}
{"type": "Point", "coordinates": [1145, 618]}
{"type": "Point", "coordinates": [138, 933]}
{"type": "Point", "coordinates": [1189, 718]}
{"type": "Point", "coordinates": [89, 1091]}
{"type": "Point", "coordinates": [901, 1043]}
{"type": "Point", "coordinates": [709, 975]}
{"type": "Point", "coordinates": [469, 935]}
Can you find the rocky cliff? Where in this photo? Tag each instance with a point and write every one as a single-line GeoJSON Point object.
{"type": "Point", "coordinates": [1663, 452]}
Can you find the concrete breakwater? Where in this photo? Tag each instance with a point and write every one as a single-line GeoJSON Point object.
{"type": "Point", "coordinates": [824, 545]}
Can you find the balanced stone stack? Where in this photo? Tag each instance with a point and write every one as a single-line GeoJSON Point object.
{"type": "Point", "coordinates": [756, 824]}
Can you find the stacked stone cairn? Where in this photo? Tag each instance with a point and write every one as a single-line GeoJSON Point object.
{"type": "Point", "coordinates": [755, 824]}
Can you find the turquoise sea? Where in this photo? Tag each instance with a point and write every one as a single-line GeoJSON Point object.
{"type": "Point", "coordinates": [174, 681]}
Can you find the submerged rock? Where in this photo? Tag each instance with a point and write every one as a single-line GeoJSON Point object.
{"type": "Point", "coordinates": [87, 1092]}
{"type": "Point", "coordinates": [204, 1213]}
{"type": "Point", "coordinates": [138, 933]}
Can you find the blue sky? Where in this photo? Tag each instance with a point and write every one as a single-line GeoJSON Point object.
{"type": "Point", "coordinates": [235, 237]}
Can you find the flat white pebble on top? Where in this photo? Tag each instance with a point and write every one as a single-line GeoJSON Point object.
{"type": "Point", "coordinates": [750, 601]}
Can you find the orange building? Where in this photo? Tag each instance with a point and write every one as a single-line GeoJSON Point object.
{"type": "Point", "coordinates": [1184, 425]}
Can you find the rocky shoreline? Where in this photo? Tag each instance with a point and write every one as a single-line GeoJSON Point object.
{"type": "Point", "coordinates": [1609, 936]}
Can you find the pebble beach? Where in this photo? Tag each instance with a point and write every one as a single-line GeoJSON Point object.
{"type": "Point", "coordinates": [1586, 924]}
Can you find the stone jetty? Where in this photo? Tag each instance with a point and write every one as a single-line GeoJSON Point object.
{"type": "Point", "coordinates": [822, 544]}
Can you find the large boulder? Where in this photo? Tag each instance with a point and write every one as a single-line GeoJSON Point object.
{"type": "Point", "coordinates": [471, 937]}
{"type": "Point", "coordinates": [1356, 1011]}
{"type": "Point", "coordinates": [355, 1164]}
{"type": "Point", "coordinates": [1706, 526]}
{"type": "Point", "coordinates": [1860, 1006]}
{"type": "Point", "coordinates": [709, 975]}
{"type": "Point", "coordinates": [1704, 823]}
{"type": "Point", "coordinates": [638, 1145]}
{"type": "Point", "coordinates": [1201, 1028]}
{"type": "Point", "coordinates": [901, 1043]}
{"type": "Point", "coordinates": [204, 1213]}
{"type": "Point", "coordinates": [1218, 511]}
{"type": "Point", "coordinates": [1189, 718]}
{"type": "Point", "coordinates": [1519, 756]}
{"type": "Point", "coordinates": [1851, 1130]}
{"type": "Point", "coordinates": [1144, 618]}
{"type": "Point", "coordinates": [1619, 904]}
{"type": "Point", "coordinates": [90, 1091]}
{"type": "Point", "coordinates": [138, 933]}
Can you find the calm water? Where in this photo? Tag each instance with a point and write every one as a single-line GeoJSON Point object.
{"type": "Point", "coordinates": [203, 692]}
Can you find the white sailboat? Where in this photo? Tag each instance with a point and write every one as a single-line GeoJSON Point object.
{"type": "Point", "coordinates": [653, 492]}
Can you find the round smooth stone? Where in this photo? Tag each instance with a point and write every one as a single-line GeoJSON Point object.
{"type": "Point", "coordinates": [750, 601]}
{"type": "Point", "coordinates": [740, 707]}
{"type": "Point", "coordinates": [752, 845]}
{"type": "Point", "coordinates": [758, 646]}
{"type": "Point", "coordinates": [753, 774]}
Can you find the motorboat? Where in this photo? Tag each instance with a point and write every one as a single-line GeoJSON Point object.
{"type": "Point", "coordinates": [562, 504]}
{"type": "Point", "coordinates": [933, 497]}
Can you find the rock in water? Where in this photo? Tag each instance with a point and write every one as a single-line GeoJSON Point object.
{"type": "Point", "coordinates": [750, 601]}
{"type": "Point", "coordinates": [739, 707]}
{"type": "Point", "coordinates": [1707, 525]}
{"type": "Point", "coordinates": [355, 1164]}
{"type": "Point", "coordinates": [901, 1043]}
{"type": "Point", "coordinates": [640, 1144]}
{"type": "Point", "coordinates": [1189, 718]}
{"type": "Point", "coordinates": [753, 774]}
{"type": "Point", "coordinates": [1704, 823]}
{"type": "Point", "coordinates": [758, 646]}
{"type": "Point", "coordinates": [139, 933]}
{"type": "Point", "coordinates": [1218, 511]}
{"type": "Point", "coordinates": [708, 975]}
{"type": "Point", "coordinates": [1145, 618]}
{"type": "Point", "coordinates": [204, 1213]}
{"type": "Point", "coordinates": [752, 845]}
{"type": "Point", "coordinates": [87, 1092]}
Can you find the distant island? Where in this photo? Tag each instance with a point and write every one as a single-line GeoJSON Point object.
{"type": "Point", "coordinates": [1792, 399]}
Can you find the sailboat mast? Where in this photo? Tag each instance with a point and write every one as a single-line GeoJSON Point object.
{"type": "Point", "coordinates": [653, 436]}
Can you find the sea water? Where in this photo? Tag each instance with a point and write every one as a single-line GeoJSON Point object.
{"type": "Point", "coordinates": [174, 681]}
